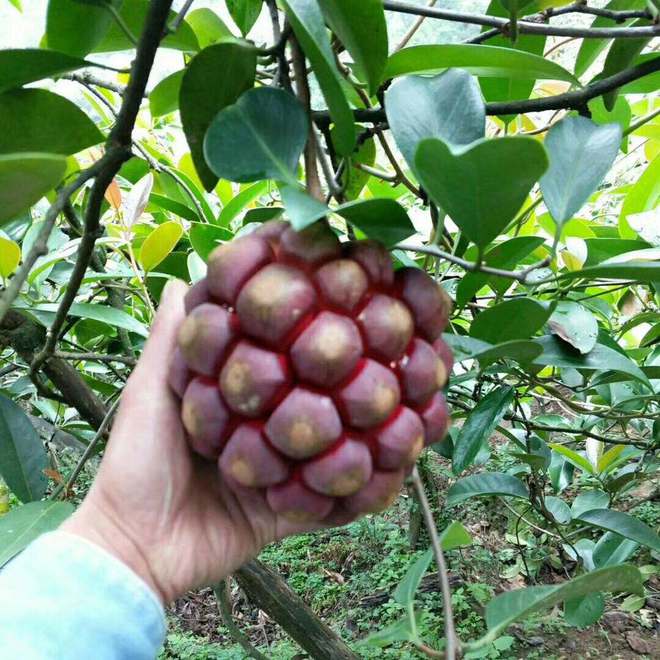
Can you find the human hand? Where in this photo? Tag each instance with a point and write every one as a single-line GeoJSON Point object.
{"type": "Point", "coordinates": [155, 505]}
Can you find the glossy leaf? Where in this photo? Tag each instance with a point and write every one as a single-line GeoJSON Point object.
{"type": "Point", "coordinates": [587, 500]}
{"type": "Point", "coordinates": [362, 29]}
{"type": "Point", "coordinates": [10, 257]}
{"type": "Point", "coordinates": [455, 536]}
{"type": "Point", "coordinates": [575, 324]}
{"type": "Point", "coordinates": [241, 201]}
{"type": "Point", "coordinates": [38, 120]}
{"type": "Point", "coordinates": [623, 524]}
{"type": "Point", "coordinates": [205, 238]}
{"type": "Point", "coordinates": [600, 358]}
{"type": "Point", "coordinates": [559, 509]}
{"type": "Point", "coordinates": [479, 425]}
{"type": "Point", "coordinates": [519, 318]}
{"type": "Point", "coordinates": [486, 484]}
{"type": "Point", "coordinates": [261, 136]}
{"type": "Point", "coordinates": [580, 153]}
{"type": "Point", "coordinates": [578, 460]}
{"type": "Point", "coordinates": [22, 455]}
{"type": "Point", "coordinates": [382, 219]}
{"type": "Point", "coordinates": [448, 107]}
{"type": "Point", "coordinates": [468, 184]}
{"type": "Point", "coordinates": [612, 549]}
{"type": "Point", "coordinates": [25, 178]}
{"type": "Point", "coordinates": [76, 28]}
{"type": "Point", "coordinates": [356, 179]}
{"type": "Point", "coordinates": [164, 97]}
{"type": "Point", "coordinates": [22, 525]}
{"type": "Point", "coordinates": [476, 349]}
{"type": "Point", "coordinates": [160, 242]}
{"type": "Point", "coordinates": [636, 270]}
{"type": "Point", "coordinates": [20, 66]}
{"type": "Point", "coordinates": [478, 59]}
{"type": "Point", "coordinates": [207, 26]}
{"type": "Point", "coordinates": [512, 606]}
{"type": "Point", "coordinates": [244, 13]}
{"type": "Point", "coordinates": [214, 80]}
{"type": "Point", "coordinates": [302, 209]}
{"type": "Point", "coordinates": [643, 196]}
{"type": "Point", "coordinates": [309, 27]}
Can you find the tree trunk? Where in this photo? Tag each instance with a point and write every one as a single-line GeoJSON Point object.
{"type": "Point", "coordinates": [268, 591]}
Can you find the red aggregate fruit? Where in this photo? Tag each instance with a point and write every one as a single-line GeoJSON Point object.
{"type": "Point", "coordinates": [311, 372]}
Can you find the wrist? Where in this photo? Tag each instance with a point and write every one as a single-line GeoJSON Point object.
{"type": "Point", "coordinates": [98, 526]}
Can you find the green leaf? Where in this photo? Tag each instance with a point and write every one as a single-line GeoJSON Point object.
{"type": "Point", "coordinates": [507, 255]}
{"type": "Point", "coordinates": [480, 60]}
{"type": "Point", "coordinates": [585, 610]}
{"type": "Point", "coordinates": [469, 347]}
{"type": "Point", "coordinates": [600, 358]}
{"type": "Point", "coordinates": [164, 97]}
{"type": "Point", "coordinates": [468, 184]}
{"type": "Point", "coordinates": [22, 455]}
{"type": "Point", "coordinates": [511, 606]}
{"type": "Point", "coordinates": [309, 27]}
{"type": "Point", "coordinates": [486, 483]}
{"type": "Point", "coordinates": [620, 57]}
{"type": "Point", "coordinates": [591, 48]}
{"type": "Point", "coordinates": [404, 594]}
{"type": "Point", "coordinates": [158, 202]}
{"type": "Point", "coordinates": [25, 179]}
{"type": "Point", "coordinates": [208, 27]}
{"type": "Point", "coordinates": [238, 203]}
{"type": "Point", "coordinates": [609, 457]}
{"type": "Point", "coordinates": [17, 4]}
{"type": "Point", "coordinates": [573, 457]}
{"type": "Point", "coordinates": [205, 238]}
{"type": "Point", "coordinates": [10, 257]}
{"type": "Point", "coordinates": [355, 179]}
{"type": "Point", "coordinates": [362, 29]}
{"type": "Point", "coordinates": [159, 243]}
{"type": "Point", "coordinates": [575, 324]}
{"type": "Point", "coordinates": [581, 153]}
{"type": "Point", "coordinates": [641, 271]}
{"type": "Point", "coordinates": [559, 509]}
{"type": "Point", "coordinates": [113, 317]}
{"type": "Point", "coordinates": [76, 28]}
{"type": "Point", "coordinates": [261, 136]}
{"type": "Point", "coordinates": [38, 120]}
{"type": "Point", "coordinates": [22, 525]}
{"type": "Point", "coordinates": [612, 549]}
{"type": "Point", "coordinates": [518, 318]}
{"type": "Point", "coordinates": [20, 66]}
{"type": "Point", "coordinates": [587, 500]}
{"type": "Point", "coordinates": [478, 426]}
{"type": "Point", "coordinates": [623, 524]}
{"type": "Point", "coordinates": [244, 13]}
{"type": "Point", "coordinates": [643, 196]}
{"type": "Point", "coordinates": [455, 536]}
{"type": "Point", "coordinates": [399, 631]}
{"type": "Point", "coordinates": [382, 219]}
{"type": "Point", "coordinates": [302, 209]}
{"type": "Point", "coordinates": [448, 107]}
{"type": "Point", "coordinates": [214, 79]}
{"type": "Point", "coordinates": [134, 15]}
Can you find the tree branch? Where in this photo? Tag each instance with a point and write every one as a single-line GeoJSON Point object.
{"type": "Point", "coordinates": [569, 100]}
{"type": "Point", "coordinates": [524, 27]}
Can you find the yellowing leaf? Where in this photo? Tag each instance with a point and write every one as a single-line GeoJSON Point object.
{"type": "Point", "coordinates": [159, 244]}
{"type": "Point", "coordinates": [10, 256]}
{"type": "Point", "coordinates": [113, 194]}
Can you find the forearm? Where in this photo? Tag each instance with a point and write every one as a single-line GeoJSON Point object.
{"type": "Point", "coordinates": [65, 597]}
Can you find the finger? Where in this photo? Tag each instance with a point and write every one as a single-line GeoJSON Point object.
{"type": "Point", "coordinates": [154, 362]}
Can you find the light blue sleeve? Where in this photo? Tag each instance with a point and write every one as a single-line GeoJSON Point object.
{"type": "Point", "coordinates": [64, 598]}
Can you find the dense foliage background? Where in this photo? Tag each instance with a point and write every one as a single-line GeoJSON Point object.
{"type": "Point", "coordinates": [510, 148]}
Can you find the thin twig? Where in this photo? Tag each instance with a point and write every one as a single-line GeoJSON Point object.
{"type": "Point", "coordinates": [575, 99]}
{"type": "Point", "coordinates": [176, 23]}
{"type": "Point", "coordinates": [413, 28]}
{"type": "Point", "coordinates": [86, 78]}
{"type": "Point", "coordinates": [96, 357]}
{"type": "Point", "coordinates": [222, 594]}
{"type": "Point", "coordinates": [524, 27]}
{"type": "Point", "coordinates": [641, 121]}
{"type": "Point", "coordinates": [452, 644]}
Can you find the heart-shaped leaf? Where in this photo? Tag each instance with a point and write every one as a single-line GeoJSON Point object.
{"type": "Point", "coordinates": [580, 153]}
{"type": "Point", "coordinates": [483, 186]}
{"type": "Point", "coordinates": [448, 107]}
{"type": "Point", "coordinates": [213, 80]}
{"type": "Point", "coordinates": [261, 136]}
